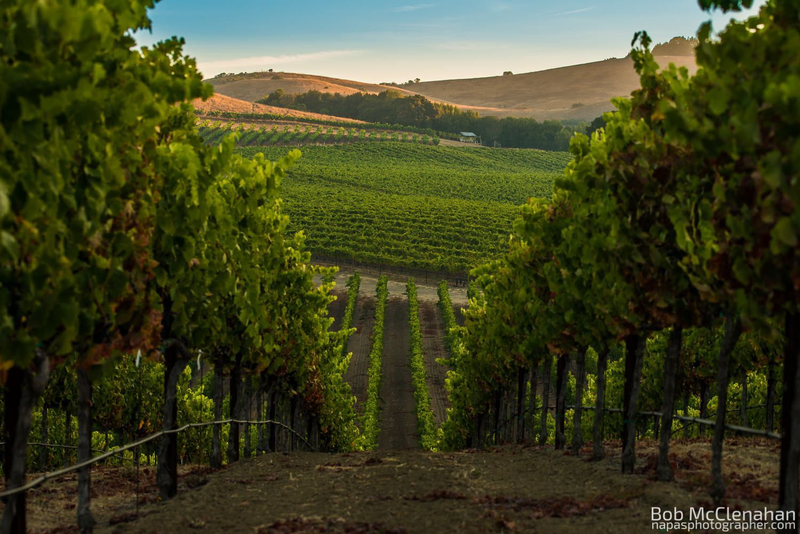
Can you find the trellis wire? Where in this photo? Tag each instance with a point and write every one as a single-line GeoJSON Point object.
{"type": "Point", "coordinates": [67, 470]}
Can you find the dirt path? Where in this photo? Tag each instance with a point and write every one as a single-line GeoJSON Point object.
{"type": "Point", "coordinates": [513, 489]}
{"type": "Point", "coordinates": [360, 344]}
{"type": "Point", "coordinates": [397, 285]}
{"type": "Point", "coordinates": [433, 347]}
{"type": "Point", "coordinates": [398, 419]}
{"type": "Point", "coordinates": [336, 308]}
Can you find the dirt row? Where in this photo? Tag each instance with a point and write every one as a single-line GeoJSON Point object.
{"type": "Point", "coordinates": [360, 344]}
{"type": "Point", "coordinates": [398, 416]}
{"type": "Point", "coordinates": [398, 426]}
{"type": "Point", "coordinates": [433, 348]}
{"type": "Point", "coordinates": [397, 285]}
{"type": "Point", "coordinates": [505, 489]}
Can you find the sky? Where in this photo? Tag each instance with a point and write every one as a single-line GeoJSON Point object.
{"type": "Point", "coordinates": [398, 40]}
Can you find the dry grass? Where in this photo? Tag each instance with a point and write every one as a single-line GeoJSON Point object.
{"type": "Point", "coordinates": [225, 103]}
{"type": "Point", "coordinates": [548, 94]}
{"type": "Point", "coordinates": [580, 92]}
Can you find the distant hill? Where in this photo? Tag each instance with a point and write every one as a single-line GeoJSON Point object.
{"type": "Point", "coordinates": [233, 105]}
{"type": "Point", "coordinates": [580, 92]}
{"type": "Point", "coordinates": [253, 86]}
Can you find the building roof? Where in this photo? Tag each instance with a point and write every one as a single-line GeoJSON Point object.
{"type": "Point", "coordinates": [468, 134]}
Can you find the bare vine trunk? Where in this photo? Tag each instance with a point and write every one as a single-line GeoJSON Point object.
{"type": "Point", "coordinates": [216, 436]}
{"type": "Point", "coordinates": [67, 435]}
{"type": "Point", "coordinates": [248, 452]}
{"type": "Point", "coordinates": [167, 476]}
{"type": "Point", "coordinates": [770, 415]}
{"type": "Point", "coordinates": [790, 442]}
{"type": "Point", "coordinates": [273, 434]}
{"type": "Point", "coordinates": [580, 377]}
{"type": "Point", "coordinates": [598, 450]}
{"type": "Point", "coordinates": [520, 422]}
{"type": "Point", "coordinates": [23, 387]}
{"type": "Point", "coordinates": [43, 452]}
{"type": "Point", "coordinates": [85, 519]}
{"type": "Point", "coordinates": [634, 354]}
{"type": "Point", "coordinates": [546, 365]}
{"type": "Point", "coordinates": [236, 409]}
{"type": "Point", "coordinates": [561, 400]}
{"type": "Point", "coordinates": [664, 469]}
{"type": "Point", "coordinates": [533, 401]}
{"type": "Point", "coordinates": [733, 329]}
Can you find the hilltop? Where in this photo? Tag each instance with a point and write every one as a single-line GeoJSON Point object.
{"type": "Point", "coordinates": [580, 92]}
{"type": "Point", "coordinates": [226, 104]}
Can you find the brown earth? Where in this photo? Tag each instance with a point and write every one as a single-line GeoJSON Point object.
{"type": "Point", "coordinates": [336, 308]}
{"type": "Point", "coordinates": [398, 418]}
{"type": "Point", "coordinates": [580, 92]}
{"type": "Point", "coordinates": [360, 344]}
{"type": "Point", "coordinates": [221, 102]}
{"type": "Point", "coordinates": [254, 86]}
{"type": "Point", "coordinates": [426, 291]}
{"type": "Point", "coordinates": [433, 348]}
{"type": "Point", "coordinates": [517, 489]}
{"type": "Point", "coordinates": [506, 489]}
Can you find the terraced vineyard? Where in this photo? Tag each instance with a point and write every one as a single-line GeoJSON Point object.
{"type": "Point", "coordinates": [293, 134]}
{"type": "Point", "coordinates": [425, 207]}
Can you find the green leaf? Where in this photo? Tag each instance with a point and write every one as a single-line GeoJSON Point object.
{"type": "Point", "coordinates": [784, 231]}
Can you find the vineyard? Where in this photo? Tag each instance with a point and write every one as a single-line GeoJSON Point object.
{"type": "Point", "coordinates": [270, 134]}
{"type": "Point", "coordinates": [437, 208]}
{"type": "Point", "coordinates": [165, 331]}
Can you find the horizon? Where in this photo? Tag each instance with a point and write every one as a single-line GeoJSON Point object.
{"type": "Point", "coordinates": [400, 41]}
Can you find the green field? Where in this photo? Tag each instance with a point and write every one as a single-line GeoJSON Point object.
{"type": "Point", "coordinates": [426, 207]}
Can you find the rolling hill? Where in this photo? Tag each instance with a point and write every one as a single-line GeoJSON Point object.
{"type": "Point", "coordinates": [220, 102]}
{"type": "Point", "coordinates": [579, 92]}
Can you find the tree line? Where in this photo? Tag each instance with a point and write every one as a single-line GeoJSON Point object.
{"type": "Point", "coordinates": [391, 107]}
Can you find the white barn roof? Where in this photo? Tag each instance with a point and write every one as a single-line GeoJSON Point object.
{"type": "Point", "coordinates": [468, 134]}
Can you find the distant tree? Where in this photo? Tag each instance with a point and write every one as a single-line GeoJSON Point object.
{"type": "Point", "coordinates": [596, 124]}
{"type": "Point", "coordinates": [508, 73]}
{"type": "Point", "coordinates": [270, 70]}
{"type": "Point", "coordinates": [677, 46]}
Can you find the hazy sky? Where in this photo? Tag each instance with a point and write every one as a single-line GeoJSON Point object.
{"type": "Point", "coordinates": [397, 40]}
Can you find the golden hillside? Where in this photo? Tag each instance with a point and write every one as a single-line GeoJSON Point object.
{"type": "Point", "coordinates": [580, 92]}
{"type": "Point", "coordinates": [233, 105]}
{"type": "Point", "coordinates": [575, 92]}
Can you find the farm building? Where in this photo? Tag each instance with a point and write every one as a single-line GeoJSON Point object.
{"type": "Point", "coordinates": [468, 137]}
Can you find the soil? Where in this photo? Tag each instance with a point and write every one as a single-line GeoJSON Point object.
{"type": "Point", "coordinates": [433, 347]}
{"type": "Point", "coordinates": [506, 489]}
{"type": "Point", "coordinates": [360, 344]}
{"type": "Point", "coordinates": [397, 285]}
{"type": "Point", "coordinates": [336, 309]}
{"type": "Point", "coordinates": [220, 102]}
{"type": "Point", "coordinates": [398, 417]}
{"type": "Point", "coordinates": [458, 313]}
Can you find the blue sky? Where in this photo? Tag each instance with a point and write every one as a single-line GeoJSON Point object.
{"type": "Point", "coordinates": [397, 40]}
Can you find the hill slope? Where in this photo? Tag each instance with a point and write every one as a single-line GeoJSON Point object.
{"type": "Point", "coordinates": [580, 92]}
{"type": "Point", "coordinates": [548, 94]}
{"type": "Point", "coordinates": [409, 205]}
{"type": "Point", "coordinates": [233, 105]}
{"type": "Point", "coordinates": [253, 86]}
